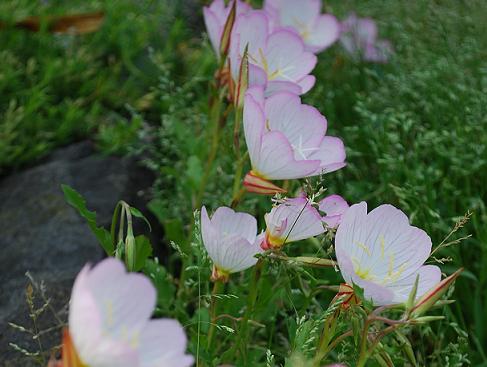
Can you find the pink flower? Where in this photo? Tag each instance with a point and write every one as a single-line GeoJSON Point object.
{"type": "Point", "coordinates": [382, 253]}
{"type": "Point", "coordinates": [278, 60]}
{"type": "Point", "coordinates": [231, 241]}
{"type": "Point", "coordinates": [334, 206]}
{"type": "Point", "coordinates": [215, 18]}
{"type": "Point", "coordinates": [319, 31]}
{"type": "Point", "coordinates": [359, 38]}
{"type": "Point", "coordinates": [287, 139]}
{"type": "Point", "coordinates": [110, 325]}
{"type": "Point", "coordinates": [293, 220]}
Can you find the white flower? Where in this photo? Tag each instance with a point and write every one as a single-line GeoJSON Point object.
{"type": "Point", "coordinates": [110, 325]}
{"type": "Point", "coordinates": [231, 240]}
{"type": "Point", "coordinates": [383, 254]}
{"type": "Point", "coordinates": [293, 220]}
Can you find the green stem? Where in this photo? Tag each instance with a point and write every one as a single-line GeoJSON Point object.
{"type": "Point", "coordinates": [215, 138]}
{"type": "Point", "coordinates": [238, 190]}
{"type": "Point", "coordinates": [251, 300]}
{"type": "Point", "coordinates": [364, 353]}
{"type": "Point", "coordinates": [217, 288]}
{"type": "Point", "coordinates": [324, 343]}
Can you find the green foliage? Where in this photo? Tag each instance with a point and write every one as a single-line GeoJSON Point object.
{"type": "Point", "coordinates": [58, 88]}
{"type": "Point", "coordinates": [103, 236]}
{"type": "Point", "coordinates": [415, 136]}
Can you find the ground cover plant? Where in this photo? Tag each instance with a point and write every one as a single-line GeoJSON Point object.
{"type": "Point", "coordinates": [275, 258]}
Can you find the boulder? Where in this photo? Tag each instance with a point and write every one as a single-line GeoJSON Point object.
{"type": "Point", "coordinates": [42, 235]}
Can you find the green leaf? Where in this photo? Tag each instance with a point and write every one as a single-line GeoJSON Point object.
{"type": "Point", "coordinates": [77, 201]}
{"type": "Point", "coordinates": [162, 282]}
{"type": "Point", "coordinates": [194, 171]}
{"type": "Point", "coordinates": [157, 208]}
{"type": "Point", "coordinates": [174, 231]}
{"type": "Point", "coordinates": [143, 249]}
{"type": "Point", "coordinates": [137, 213]}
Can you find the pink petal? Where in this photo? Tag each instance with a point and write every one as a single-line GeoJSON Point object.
{"type": "Point", "coordinates": [296, 13]}
{"type": "Point", "coordinates": [209, 235]}
{"type": "Point", "coordinates": [391, 236]}
{"type": "Point", "coordinates": [429, 276]}
{"type": "Point", "coordinates": [287, 57]}
{"type": "Point", "coordinates": [334, 206]}
{"type": "Point", "coordinates": [331, 154]}
{"type": "Point", "coordinates": [302, 220]}
{"type": "Point", "coordinates": [254, 125]}
{"type": "Point", "coordinates": [303, 125]}
{"type": "Point", "coordinates": [277, 86]}
{"type": "Point", "coordinates": [226, 220]}
{"type": "Point", "coordinates": [163, 343]}
{"type": "Point", "coordinates": [307, 83]}
{"type": "Point", "coordinates": [352, 230]}
{"type": "Point", "coordinates": [214, 29]}
{"type": "Point", "coordinates": [325, 32]}
{"type": "Point", "coordinates": [276, 160]}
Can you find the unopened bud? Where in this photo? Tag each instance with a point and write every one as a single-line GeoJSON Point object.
{"type": "Point", "coordinates": [425, 319]}
{"type": "Point", "coordinates": [227, 31]}
{"type": "Point", "coordinates": [429, 299]}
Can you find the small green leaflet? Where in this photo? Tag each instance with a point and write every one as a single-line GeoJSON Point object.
{"type": "Point", "coordinates": [74, 199]}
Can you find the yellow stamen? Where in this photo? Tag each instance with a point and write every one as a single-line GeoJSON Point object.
{"type": "Point", "coordinates": [264, 61]}
{"type": "Point", "coordinates": [391, 265]}
{"type": "Point", "coordinates": [382, 246]}
{"type": "Point", "coordinates": [363, 247]}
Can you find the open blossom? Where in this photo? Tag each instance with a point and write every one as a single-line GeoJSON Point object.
{"type": "Point", "coordinates": [278, 60]}
{"type": "Point", "coordinates": [293, 220]}
{"type": "Point", "coordinates": [334, 206]}
{"type": "Point", "coordinates": [286, 140]}
{"type": "Point", "coordinates": [359, 38]}
{"type": "Point", "coordinates": [318, 31]}
{"type": "Point", "coordinates": [383, 254]}
{"type": "Point", "coordinates": [231, 241]}
{"type": "Point", "coordinates": [216, 16]}
{"type": "Point", "coordinates": [110, 325]}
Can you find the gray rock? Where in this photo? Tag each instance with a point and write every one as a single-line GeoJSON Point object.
{"type": "Point", "coordinates": [41, 234]}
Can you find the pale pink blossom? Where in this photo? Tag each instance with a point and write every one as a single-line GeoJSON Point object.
{"type": "Point", "coordinates": [383, 254]}
{"type": "Point", "coordinates": [293, 220]}
{"type": "Point", "coordinates": [110, 321]}
{"type": "Point", "coordinates": [278, 60]}
{"type": "Point", "coordinates": [360, 39]}
{"type": "Point", "coordinates": [318, 31]}
{"type": "Point", "coordinates": [231, 240]}
{"type": "Point", "coordinates": [216, 16]}
{"type": "Point", "coordinates": [334, 207]}
{"type": "Point", "coordinates": [287, 139]}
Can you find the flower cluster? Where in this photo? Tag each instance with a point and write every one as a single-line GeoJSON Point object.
{"type": "Point", "coordinates": [286, 139]}
{"type": "Point", "coordinates": [267, 57]}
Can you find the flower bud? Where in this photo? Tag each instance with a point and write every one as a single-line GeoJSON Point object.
{"type": "Point", "coordinates": [130, 252]}
{"type": "Point", "coordinates": [259, 185]}
{"type": "Point", "coordinates": [433, 295]}
{"type": "Point", "coordinates": [243, 79]}
{"type": "Point", "coordinates": [227, 31]}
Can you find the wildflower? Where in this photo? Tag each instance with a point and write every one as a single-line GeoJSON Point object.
{"type": "Point", "coordinates": [383, 254]}
{"type": "Point", "coordinates": [334, 206]}
{"type": "Point", "coordinates": [318, 31]}
{"type": "Point", "coordinates": [231, 241]}
{"type": "Point", "coordinates": [110, 325]}
{"type": "Point", "coordinates": [359, 38]}
{"type": "Point", "coordinates": [216, 16]}
{"type": "Point", "coordinates": [293, 220]}
{"type": "Point", "coordinates": [286, 140]}
{"type": "Point", "coordinates": [277, 60]}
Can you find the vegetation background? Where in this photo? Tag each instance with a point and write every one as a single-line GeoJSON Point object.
{"type": "Point", "coordinates": [415, 129]}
